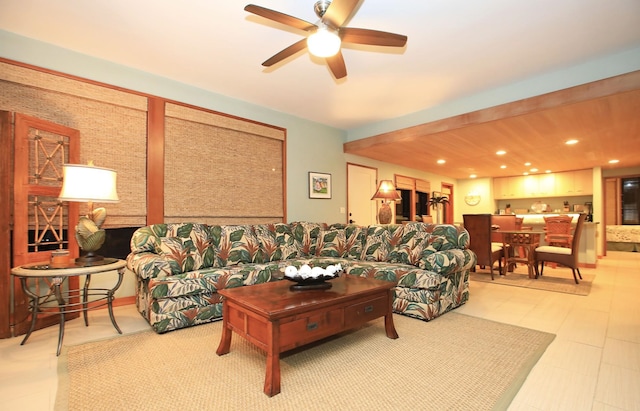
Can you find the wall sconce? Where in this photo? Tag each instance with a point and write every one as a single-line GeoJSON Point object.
{"type": "Point", "coordinates": [86, 184]}
{"type": "Point", "coordinates": [387, 193]}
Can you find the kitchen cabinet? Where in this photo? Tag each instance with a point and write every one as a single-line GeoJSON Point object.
{"type": "Point", "coordinates": [574, 183]}
{"type": "Point", "coordinates": [507, 187]}
{"type": "Point", "coordinates": [570, 183]}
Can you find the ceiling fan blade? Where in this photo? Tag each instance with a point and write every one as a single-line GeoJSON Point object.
{"type": "Point", "coordinates": [372, 37]}
{"type": "Point", "coordinates": [279, 17]}
{"type": "Point", "coordinates": [337, 66]}
{"type": "Point", "coordinates": [339, 11]}
{"type": "Point", "coordinates": [289, 51]}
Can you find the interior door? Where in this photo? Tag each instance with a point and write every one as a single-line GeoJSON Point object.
{"type": "Point", "coordinates": [447, 209]}
{"type": "Point", "coordinates": [41, 222]}
{"type": "Point", "coordinates": [361, 186]}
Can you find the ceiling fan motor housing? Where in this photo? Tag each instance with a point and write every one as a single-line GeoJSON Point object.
{"type": "Point", "coordinates": [321, 7]}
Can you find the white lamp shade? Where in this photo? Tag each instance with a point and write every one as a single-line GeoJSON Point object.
{"type": "Point", "coordinates": [84, 183]}
{"type": "Point", "coordinates": [323, 43]}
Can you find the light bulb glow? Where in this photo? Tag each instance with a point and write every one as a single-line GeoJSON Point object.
{"type": "Point", "coordinates": [323, 43]}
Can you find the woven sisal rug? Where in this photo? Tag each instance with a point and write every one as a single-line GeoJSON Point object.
{"type": "Point", "coordinates": [557, 279]}
{"type": "Point", "coordinates": [455, 362]}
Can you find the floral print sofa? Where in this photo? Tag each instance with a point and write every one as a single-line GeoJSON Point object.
{"type": "Point", "coordinates": [180, 266]}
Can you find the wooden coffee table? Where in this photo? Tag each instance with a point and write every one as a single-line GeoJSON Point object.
{"type": "Point", "coordinates": [276, 319]}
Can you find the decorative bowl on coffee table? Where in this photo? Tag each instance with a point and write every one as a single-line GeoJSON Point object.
{"type": "Point", "coordinates": [305, 279]}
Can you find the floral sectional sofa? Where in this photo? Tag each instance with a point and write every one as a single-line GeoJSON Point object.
{"type": "Point", "coordinates": [180, 266]}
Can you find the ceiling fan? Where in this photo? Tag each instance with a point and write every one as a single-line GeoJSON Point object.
{"type": "Point", "coordinates": [325, 37]}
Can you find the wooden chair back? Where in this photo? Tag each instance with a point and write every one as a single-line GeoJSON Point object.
{"type": "Point", "coordinates": [504, 222]}
{"type": "Point", "coordinates": [479, 228]}
{"type": "Point", "coordinates": [558, 230]}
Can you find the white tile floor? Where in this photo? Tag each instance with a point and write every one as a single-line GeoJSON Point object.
{"type": "Point", "coordinates": [593, 363]}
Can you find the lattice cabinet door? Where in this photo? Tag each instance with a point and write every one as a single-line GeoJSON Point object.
{"type": "Point", "coordinates": [41, 222]}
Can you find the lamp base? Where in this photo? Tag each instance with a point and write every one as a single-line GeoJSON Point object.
{"type": "Point", "coordinates": [384, 214]}
{"type": "Point", "coordinates": [90, 259]}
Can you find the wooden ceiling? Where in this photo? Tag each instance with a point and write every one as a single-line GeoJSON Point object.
{"type": "Point", "coordinates": [603, 116]}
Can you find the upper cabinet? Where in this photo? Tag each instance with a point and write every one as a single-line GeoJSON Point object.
{"type": "Point", "coordinates": [570, 183]}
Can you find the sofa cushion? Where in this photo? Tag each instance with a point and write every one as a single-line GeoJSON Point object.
{"type": "Point", "coordinates": [409, 248]}
{"type": "Point", "coordinates": [340, 243]}
{"type": "Point", "coordinates": [276, 242]}
{"type": "Point", "coordinates": [234, 244]}
{"type": "Point", "coordinates": [306, 236]}
{"type": "Point", "coordinates": [180, 253]}
{"type": "Point", "coordinates": [380, 240]}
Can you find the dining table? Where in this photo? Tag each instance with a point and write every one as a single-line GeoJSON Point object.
{"type": "Point", "coordinates": [520, 247]}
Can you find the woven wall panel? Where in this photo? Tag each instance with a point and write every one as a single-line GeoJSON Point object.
{"type": "Point", "coordinates": [42, 80]}
{"type": "Point", "coordinates": [223, 121]}
{"type": "Point", "coordinates": [218, 175]}
{"type": "Point", "coordinates": [112, 136]}
{"type": "Point", "coordinates": [224, 220]}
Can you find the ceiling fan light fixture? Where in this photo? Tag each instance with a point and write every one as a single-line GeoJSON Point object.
{"type": "Point", "coordinates": [324, 43]}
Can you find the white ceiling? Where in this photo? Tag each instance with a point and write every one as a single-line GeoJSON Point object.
{"type": "Point", "coordinates": [456, 48]}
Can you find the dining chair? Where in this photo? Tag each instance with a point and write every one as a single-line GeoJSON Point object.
{"type": "Point", "coordinates": [564, 256]}
{"type": "Point", "coordinates": [487, 252]}
{"type": "Point", "coordinates": [558, 230]}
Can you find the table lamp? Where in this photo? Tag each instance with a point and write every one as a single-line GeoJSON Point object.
{"type": "Point", "coordinates": [386, 192]}
{"type": "Point", "coordinates": [86, 184]}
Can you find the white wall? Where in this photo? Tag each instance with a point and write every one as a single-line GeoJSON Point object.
{"type": "Point", "coordinates": [480, 186]}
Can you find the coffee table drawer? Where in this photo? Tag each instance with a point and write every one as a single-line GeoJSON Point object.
{"type": "Point", "coordinates": [310, 328]}
{"type": "Point", "coordinates": [365, 311]}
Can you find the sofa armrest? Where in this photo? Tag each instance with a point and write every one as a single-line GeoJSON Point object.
{"type": "Point", "coordinates": [446, 262]}
{"type": "Point", "coordinates": [149, 265]}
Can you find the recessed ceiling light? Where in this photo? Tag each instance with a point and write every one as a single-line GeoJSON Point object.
{"type": "Point", "coordinates": [473, 176]}
{"type": "Point", "coordinates": [614, 161]}
{"type": "Point", "coordinates": [534, 170]}
{"type": "Point", "coordinates": [571, 142]}
{"type": "Point", "coordinates": [441, 161]}
{"type": "Point", "coordinates": [525, 174]}
{"type": "Point", "coordinates": [547, 171]}
{"type": "Point", "coordinates": [501, 152]}
{"type": "Point", "coordinates": [527, 164]}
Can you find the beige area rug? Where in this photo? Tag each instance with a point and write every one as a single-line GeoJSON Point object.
{"type": "Point", "coordinates": [455, 362]}
{"type": "Point", "coordinates": [558, 279]}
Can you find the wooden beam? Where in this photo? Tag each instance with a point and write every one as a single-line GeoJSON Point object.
{"type": "Point", "coordinates": [155, 160]}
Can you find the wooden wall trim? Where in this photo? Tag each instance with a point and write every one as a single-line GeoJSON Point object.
{"type": "Point", "coordinates": [155, 161]}
{"type": "Point", "coordinates": [572, 95]}
{"type": "Point", "coordinates": [6, 186]}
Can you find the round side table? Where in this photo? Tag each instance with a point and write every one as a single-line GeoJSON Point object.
{"type": "Point", "coordinates": [100, 296]}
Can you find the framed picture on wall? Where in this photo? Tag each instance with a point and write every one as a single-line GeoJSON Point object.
{"type": "Point", "coordinates": [319, 185]}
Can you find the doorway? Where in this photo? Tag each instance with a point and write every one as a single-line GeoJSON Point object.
{"type": "Point", "coordinates": [447, 211]}
{"type": "Point", "coordinates": [361, 186]}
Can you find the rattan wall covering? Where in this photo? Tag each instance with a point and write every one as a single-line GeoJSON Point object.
{"type": "Point", "coordinates": [217, 174]}
{"type": "Point", "coordinates": [112, 124]}
{"type": "Point", "coordinates": [218, 168]}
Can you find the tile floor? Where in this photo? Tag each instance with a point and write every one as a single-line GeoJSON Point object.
{"type": "Point", "coordinates": [593, 363]}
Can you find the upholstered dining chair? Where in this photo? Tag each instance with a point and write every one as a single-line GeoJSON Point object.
{"type": "Point", "coordinates": [487, 253]}
{"type": "Point", "coordinates": [564, 256]}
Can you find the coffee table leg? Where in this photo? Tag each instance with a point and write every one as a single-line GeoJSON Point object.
{"type": "Point", "coordinates": [389, 327]}
{"type": "Point", "coordinates": [272, 378]}
{"type": "Point", "coordinates": [225, 339]}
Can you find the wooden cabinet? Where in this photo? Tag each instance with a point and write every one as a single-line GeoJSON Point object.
{"type": "Point", "coordinates": [505, 187]}
{"type": "Point", "coordinates": [570, 183]}
{"type": "Point", "coordinates": [574, 183]}
{"type": "Point", "coordinates": [547, 185]}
